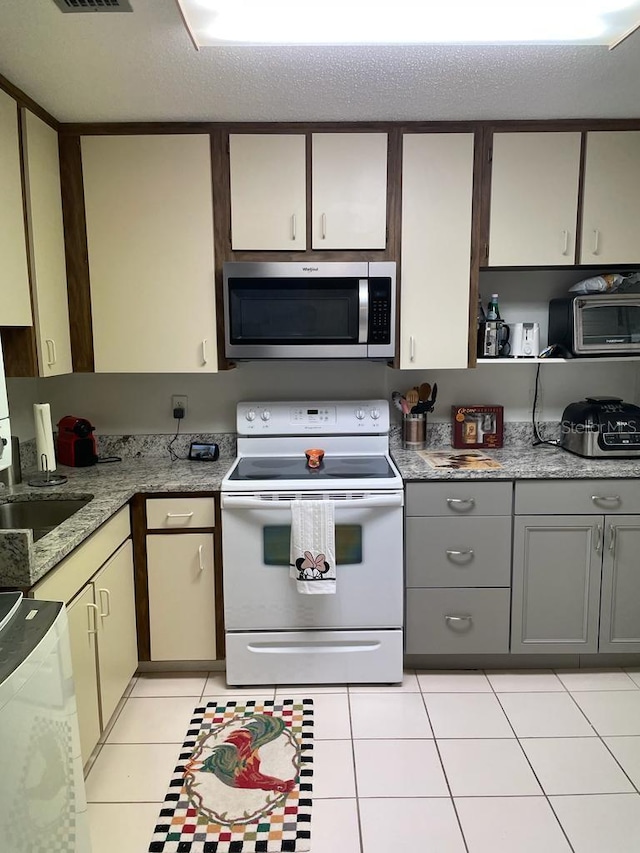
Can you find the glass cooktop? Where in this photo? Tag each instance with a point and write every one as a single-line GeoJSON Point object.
{"type": "Point", "coordinates": [296, 468]}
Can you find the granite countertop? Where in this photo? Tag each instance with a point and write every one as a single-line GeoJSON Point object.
{"type": "Point", "coordinates": [24, 562]}
{"type": "Point", "coordinates": [519, 463]}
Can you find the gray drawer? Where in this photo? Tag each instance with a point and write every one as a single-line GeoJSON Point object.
{"type": "Point", "coordinates": [578, 497]}
{"type": "Point", "coordinates": [433, 545]}
{"type": "Point", "coordinates": [429, 631]}
{"type": "Point", "coordinates": [470, 498]}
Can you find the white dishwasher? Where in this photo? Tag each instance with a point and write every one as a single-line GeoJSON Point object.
{"type": "Point", "coordinates": [43, 806]}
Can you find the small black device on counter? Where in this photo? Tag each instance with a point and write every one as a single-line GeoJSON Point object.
{"type": "Point", "coordinates": [200, 451]}
{"type": "Point", "coordinates": [601, 426]}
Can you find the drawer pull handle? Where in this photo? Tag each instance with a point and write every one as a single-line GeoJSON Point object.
{"type": "Point", "coordinates": [455, 503]}
{"type": "Point", "coordinates": [457, 619]}
{"type": "Point", "coordinates": [467, 553]}
{"type": "Point", "coordinates": [616, 498]}
{"type": "Point", "coordinates": [200, 560]}
{"type": "Point", "coordinates": [179, 514]}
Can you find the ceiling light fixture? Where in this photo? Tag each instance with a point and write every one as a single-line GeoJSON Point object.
{"type": "Point", "coordinates": [348, 22]}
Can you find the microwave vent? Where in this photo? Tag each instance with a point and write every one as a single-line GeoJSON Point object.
{"type": "Point", "coordinates": [93, 5]}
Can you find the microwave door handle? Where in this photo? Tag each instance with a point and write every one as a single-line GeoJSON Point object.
{"type": "Point", "coordinates": [363, 310]}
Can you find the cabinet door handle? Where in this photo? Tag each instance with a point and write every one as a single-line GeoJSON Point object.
{"type": "Point", "coordinates": [323, 220]}
{"type": "Point", "coordinates": [293, 226]}
{"type": "Point", "coordinates": [599, 538]}
{"type": "Point", "coordinates": [92, 608]}
{"type": "Point", "coordinates": [596, 241]}
{"type": "Point", "coordinates": [565, 242]}
{"type": "Point", "coordinates": [51, 352]}
{"type": "Point", "coordinates": [105, 612]}
{"type": "Point", "coordinates": [200, 560]}
{"type": "Point", "coordinates": [454, 503]}
{"type": "Point", "coordinates": [456, 620]}
{"type": "Point", "coordinates": [615, 498]}
{"type": "Point", "coordinates": [179, 514]}
{"type": "Point", "coordinates": [612, 539]}
{"type": "Point", "coordinates": [412, 348]}
{"type": "Point", "coordinates": [466, 553]}
{"type": "Point", "coordinates": [204, 351]}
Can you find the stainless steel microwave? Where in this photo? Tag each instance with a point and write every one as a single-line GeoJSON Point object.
{"type": "Point", "coordinates": [310, 310]}
{"type": "Point", "coordinates": [596, 324]}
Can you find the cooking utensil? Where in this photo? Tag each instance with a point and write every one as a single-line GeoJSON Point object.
{"type": "Point", "coordinates": [412, 397]}
{"type": "Point", "coordinates": [399, 402]}
{"type": "Point", "coordinates": [424, 392]}
{"type": "Point", "coordinates": [434, 394]}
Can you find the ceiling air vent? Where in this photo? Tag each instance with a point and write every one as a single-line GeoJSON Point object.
{"type": "Point", "coordinates": [93, 5]}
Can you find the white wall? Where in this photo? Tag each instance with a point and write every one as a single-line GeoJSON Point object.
{"type": "Point", "coordinates": [122, 403]}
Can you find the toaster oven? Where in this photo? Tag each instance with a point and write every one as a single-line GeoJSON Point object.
{"type": "Point", "coordinates": [596, 324]}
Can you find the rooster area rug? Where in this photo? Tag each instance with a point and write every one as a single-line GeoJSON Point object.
{"type": "Point", "coordinates": [243, 781]}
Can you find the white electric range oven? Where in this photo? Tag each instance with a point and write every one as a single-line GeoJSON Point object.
{"type": "Point", "coordinates": [275, 634]}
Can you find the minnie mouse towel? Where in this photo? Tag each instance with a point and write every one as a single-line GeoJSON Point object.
{"type": "Point", "coordinates": [313, 546]}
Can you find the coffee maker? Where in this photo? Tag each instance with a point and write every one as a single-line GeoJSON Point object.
{"type": "Point", "coordinates": [493, 339]}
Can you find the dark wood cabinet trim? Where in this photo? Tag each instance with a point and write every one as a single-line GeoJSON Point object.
{"type": "Point", "coordinates": [583, 160]}
{"type": "Point", "coordinates": [479, 215]}
{"type": "Point", "coordinates": [76, 254]}
{"type": "Point", "coordinates": [24, 100]}
{"type": "Point", "coordinates": [141, 582]}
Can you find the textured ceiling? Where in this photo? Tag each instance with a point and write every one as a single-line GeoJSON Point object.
{"type": "Point", "coordinates": [142, 66]}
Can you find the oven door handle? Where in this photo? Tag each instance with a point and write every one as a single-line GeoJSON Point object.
{"type": "Point", "coordinates": [242, 502]}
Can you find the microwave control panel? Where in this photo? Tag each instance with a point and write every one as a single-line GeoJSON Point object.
{"type": "Point", "coordinates": [379, 331]}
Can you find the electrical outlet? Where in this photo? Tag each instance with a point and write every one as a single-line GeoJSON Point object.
{"type": "Point", "coordinates": [179, 401]}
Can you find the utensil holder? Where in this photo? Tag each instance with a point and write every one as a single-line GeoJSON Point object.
{"type": "Point", "coordinates": [414, 432]}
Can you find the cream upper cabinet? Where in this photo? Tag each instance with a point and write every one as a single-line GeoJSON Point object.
{"type": "Point", "coordinates": [437, 186]}
{"type": "Point", "coordinates": [610, 222]}
{"type": "Point", "coordinates": [46, 246]}
{"type": "Point", "coordinates": [150, 242]}
{"type": "Point", "coordinates": [534, 199]}
{"type": "Point", "coordinates": [349, 190]}
{"type": "Point", "coordinates": [268, 191]}
{"type": "Point", "coordinates": [15, 304]}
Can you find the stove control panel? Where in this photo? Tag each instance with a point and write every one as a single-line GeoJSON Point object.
{"type": "Point", "coordinates": [313, 418]}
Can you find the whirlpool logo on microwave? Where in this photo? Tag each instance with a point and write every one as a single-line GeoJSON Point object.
{"type": "Point", "coordinates": [310, 269]}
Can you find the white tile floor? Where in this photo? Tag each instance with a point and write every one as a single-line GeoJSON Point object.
{"type": "Point", "coordinates": [495, 762]}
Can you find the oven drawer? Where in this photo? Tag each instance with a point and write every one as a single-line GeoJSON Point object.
{"type": "Point", "coordinates": [458, 552]}
{"type": "Point", "coordinates": [459, 499]}
{"type": "Point", "coordinates": [180, 513]}
{"type": "Point", "coordinates": [469, 621]}
{"type": "Point", "coordinates": [314, 657]}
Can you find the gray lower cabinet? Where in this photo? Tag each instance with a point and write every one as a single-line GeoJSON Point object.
{"type": "Point", "coordinates": [458, 568]}
{"type": "Point", "coordinates": [620, 601]}
{"type": "Point", "coordinates": [556, 583]}
{"type": "Point", "coordinates": [576, 584]}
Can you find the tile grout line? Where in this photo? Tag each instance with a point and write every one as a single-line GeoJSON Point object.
{"type": "Point", "coordinates": [444, 771]}
{"type": "Point", "coordinates": [355, 778]}
{"type": "Point", "coordinates": [526, 757]}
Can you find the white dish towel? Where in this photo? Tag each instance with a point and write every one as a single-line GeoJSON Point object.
{"type": "Point", "coordinates": [313, 546]}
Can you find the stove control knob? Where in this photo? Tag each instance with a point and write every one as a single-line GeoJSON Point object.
{"type": "Point", "coordinates": [251, 415]}
{"type": "Point", "coordinates": [266, 415]}
{"type": "Point", "coordinates": [375, 414]}
{"type": "Point", "coordinates": [360, 413]}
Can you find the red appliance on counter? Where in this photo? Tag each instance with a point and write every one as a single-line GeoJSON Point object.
{"type": "Point", "coordinates": [76, 445]}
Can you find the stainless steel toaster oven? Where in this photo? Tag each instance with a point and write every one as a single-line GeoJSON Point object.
{"type": "Point", "coordinates": [596, 324]}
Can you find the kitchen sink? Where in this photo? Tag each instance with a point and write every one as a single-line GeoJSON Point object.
{"type": "Point", "coordinates": [40, 515]}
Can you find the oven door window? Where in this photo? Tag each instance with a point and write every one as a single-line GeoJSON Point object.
{"type": "Point", "coordinates": [276, 544]}
{"type": "Point", "coordinates": [292, 311]}
{"type": "Point", "coordinates": [609, 324]}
